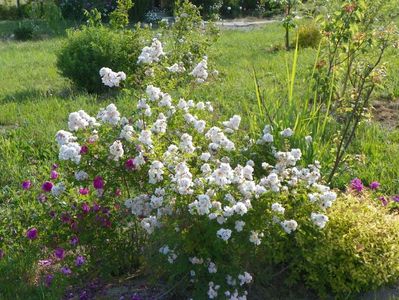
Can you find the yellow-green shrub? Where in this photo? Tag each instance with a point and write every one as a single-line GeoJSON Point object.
{"type": "Point", "coordinates": [309, 36]}
{"type": "Point", "coordinates": [358, 251]}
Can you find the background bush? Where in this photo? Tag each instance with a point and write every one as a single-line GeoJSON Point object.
{"type": "Point", "coordinates": [309, 36]}
{"type": "Point", "coordinates": [89, 49]}
{"type": "Point", "coordinates": [24, 32]}
{"type": "Point", "coordinates": [359, 250]}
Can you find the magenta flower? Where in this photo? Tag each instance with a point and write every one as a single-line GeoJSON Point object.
{"type": "Point", "coordinates": [84, 149]}
{"type": "Point", "coordinates": [54, 166]}
{"type": "Point", "coordinates": [86, 208]}
{"type": "Point", "coordinates": [66, 271]}
{"type": "Point", "coordinates": [357, 185]}
{"type": "Point", "coordinates": [53, 174]}
{"type": "Point", "coordinates": [98, 183]}
{"type": "Point", "coordinates": [395, 198]}
{"type": "Point", "coordinates": [32, 233]}
{"type": "Point", "coordinates": [26, 185]}
{"type": "Point", "coordinates": [374, 185]}
{"type": "Point", "coordinates": [84, 191]}
{"type": "Point", "coordinates": [118, 192]}
{"type": "Point", "coordinates": [59, 253]}
{"type": "Point", "coordinates": [47, 186]}
{"type": "Point", "coordinates": [79, 261]}
{"type": "Point", "coordinates": [74, 240]}
{"type": "Point", "coordinates": [130, 165]}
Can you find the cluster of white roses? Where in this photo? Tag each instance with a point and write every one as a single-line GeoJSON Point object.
{"type": "Point", "coordinates": [152, 53]}
{"type": "Point", "coordinates": [187, 170]}
{"type": "Point", "coordinates": [111, 78]}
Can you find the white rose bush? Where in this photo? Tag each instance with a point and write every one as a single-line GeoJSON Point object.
{"type": "Point", "coordinates": [173, 185]}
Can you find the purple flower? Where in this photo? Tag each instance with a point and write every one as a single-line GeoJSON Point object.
{"type": "Point", "coordinates": [84, 191]}
{"type": "Point", "coordinates": [59, 253]}
{"type": "Point", "coordinates": [96, 207]}
{"type": "Point", "coordinates": [357, 185]}
{"type": "Point", "coordinates": [52, 214]}
{"type": "Point", "coordinates": [84, 149]}
{"type": "Point", "coordinates": [86, 208]}
{"type": "Point", "coordinates": [32, 233]}
{"type": "Point", "coordinates": [26, 185]}
{"type": "Point", "coordinates": [395, 198]}
{"type": "Point", "coordinates": [54, 166]}
{"type": "Point", "coordinates": [98, 183]}
{"type": "Point", "coordinates": [118, 192]}
{"type": "Point", "coordinates": [383, 200]}
{"type": "Point", "coordinates": [74, 240]}
{"type": "Point", "coordinates": [66, 271]}
{"type": "Point", "coordinates": [48, 279]}
{"type": "Point", "coordinates": [374, 185]}
{"type": "Point", "coordinates": [65, 217]}
{"type": "Point", "coordinates": [130, 165]}
{"type": "Point", "coordinates": [80, 260]}
{"type": "Point", "coordinates": [83, 295]}
{"type": "Point", "coordinates": [53, 174]}
{"type": "Point", "coordinates": [136, 297]}
{"type": "Point", "coordinates": [47, 186]}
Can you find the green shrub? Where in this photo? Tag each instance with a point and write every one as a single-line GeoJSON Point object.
{"type": "Point", "coordinates": [309, 36]}
{"type": "Point", "coordinates": [89, 49]}
{"type": "Point", "coordinates": [358, 251]}
{"type": "Point", "coordinates": [24, 32]}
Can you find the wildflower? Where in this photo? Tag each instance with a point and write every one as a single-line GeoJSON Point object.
{"type": "Point", "coordinates": [79, 261]}
{"type": "Point", "coordinates": [224, 234]}
{"type": "Point", "coordinates": [374, 185]}
{"type": "Point", "coordinates": [66, 271]}
{"type": "Point", "coordinates": [130, 165]}
{"type": "Point", "coordinates": [74, 240]}
{"type": "Point", "coordinates": [85, 208]}
{"type": "Point", "coordinates": [53, 174]}
{"type": "Point", "coordinates": [200, 72]}
{"type": "Point", "coordinates": [395, 198]}
{"type": "Point", "coordinates": [116, 150]}
{"type": "Point", "coordinates": [244, 278]}
{"type": "Point", "coordinates": [42, 198]}
{"type": "Point", "coordinates": [84, 191]}
{"type": "Point", "coordinates": [286, 133]}
{"type": "Point", "coordinates": [239, 225]}
{"type": "Point", "coordinates": [289, 226]}
{"type": "Point", "coordinates": [71, 152]}
{"type": "Point", "coordinates": [48, 279]}
{"type": "Point", "coordinates": [32, 233]}
{"type": "Point", "coordinates": [383, 200]}
{"type": "Point", "coordinates": [47, 186]}
{"type": "Point", "coordinates": [84, 149]}
{"type": "Point", "coordinates": [111, 78]}
{"type": "Point", "coordinates": [319, 220]}
{"type": "Point", "coordinates": [151, 54]}
{"type": "Point", "coordinates": [278, 208]}
{"type": "Point", "coordinates": [59, 253]}
{"type": "Point", "coordinates": [26, 185]}
{"type": "Point", "coordinates": [357, 185]}
{"type": "Point", "coordinates": [98, 183]}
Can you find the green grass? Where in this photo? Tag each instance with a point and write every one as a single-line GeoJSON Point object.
{"type": "Point", "coordinates": [35, 100]}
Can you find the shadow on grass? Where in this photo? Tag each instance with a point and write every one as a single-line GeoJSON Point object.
{"type": "Point", "coordinates": [31, 94]}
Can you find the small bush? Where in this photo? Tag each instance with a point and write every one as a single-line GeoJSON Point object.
{"type": "Point", "coordinates": [359, 250]}
{"type": "Point", "coordinates": [24, 32]}
{"type": "Point", "coordinates": [89, 49]}
{"type": "Point", "coordinates": [309, 36]}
